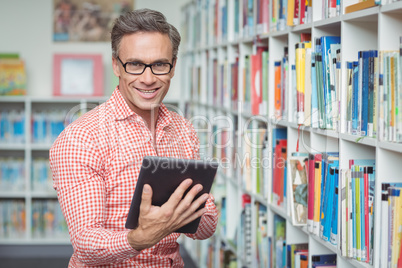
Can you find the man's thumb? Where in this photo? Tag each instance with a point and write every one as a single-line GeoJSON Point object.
{"type": "Point", "coordinates": [146, 198]}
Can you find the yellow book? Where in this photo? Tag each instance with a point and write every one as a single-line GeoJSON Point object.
{"type": "Point", "coordinates": [290, 11]}
{"type": "Point", "coordinates": [397, 229]}
{"type": "Point", "coordinates": [12, 76]}
{"type": "Point", "coordinates": [300, 78]}
{"type": "Point", "coordinates": [317, 198]}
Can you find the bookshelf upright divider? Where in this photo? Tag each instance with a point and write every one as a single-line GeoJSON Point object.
{"type": "Point", "coordinates": [231, 30]}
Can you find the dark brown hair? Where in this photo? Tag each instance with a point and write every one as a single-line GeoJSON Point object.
{"type": "Point", "coordinates": [143, 20]}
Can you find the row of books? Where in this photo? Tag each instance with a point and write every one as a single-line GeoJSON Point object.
{"type": "Point", "coordinates": [317, 87]}
{"type": "Point", "coordinates": [390, 92]}
{"type": "Point", "coordinates": [12, 218]}
{"type": "Point", "coordinates": [47, 125]}
{"type": "Point", "coordinates": [48, 220]}
{"type": "Point", "coordinates": [357, 210]}
{"type": "Point", "coordinates": [281, 254]}
{"type": "Point", "coordinates": [12, 173]}
{"type": "Point", "coordinates": [362, 90]}
{"type": "Point", "coordinates": [208, 20]}
{"type": "Point", "coordinates": [41, 178]}
{"type": "Point", "coordinates": [13, 78]}
{"type": "Point", "coordinates": [12, 126]}
{"type": "Point", "coordinates": [391, 225]}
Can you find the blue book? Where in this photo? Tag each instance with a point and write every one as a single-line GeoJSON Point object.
{"type": "Point", "coordinates": [334, 223]}
{"type": "Point", "coordinates": [360, 90]}
{"type": "Point", "coordinates": [323, 259]}
{"type": "Point", "coordinates": [326, 42]}
{"type": "Point", "coordinates": [355, 100]}
{"type": "Point", "coordinates": [365, 92]}
{"type": "Point", "coordinates": [329, 200]}
{"type": "Point", "coordinates": [326, 159]}
{"type": "Point", "coordinates": [349, 97]}
{"type": "Point", "coordinates": [371, 95]}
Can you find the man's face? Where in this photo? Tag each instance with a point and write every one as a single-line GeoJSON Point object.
{"type": "Point", "coordinates": [146, 91]}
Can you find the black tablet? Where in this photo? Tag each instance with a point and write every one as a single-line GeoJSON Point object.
{"type": "Point", "coordinates": [164, 175]}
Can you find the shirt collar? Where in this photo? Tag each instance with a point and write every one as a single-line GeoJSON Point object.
{"type": "Point", "coordinates": [123, 111]}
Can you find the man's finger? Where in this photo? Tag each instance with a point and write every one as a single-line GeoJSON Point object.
{"type": "Point", "coordinates": [178, 194]}
{"type": "Point", "coordinates": [146, 198]}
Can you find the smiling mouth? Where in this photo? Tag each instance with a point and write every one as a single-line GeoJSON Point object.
{"type": "Point", "coordinates": [147, 91]}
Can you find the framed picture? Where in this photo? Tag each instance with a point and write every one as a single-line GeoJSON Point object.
{"type": "Point", "coordinates": [77, 75]}
{"type": "Point", "coordinates": [86, 21]}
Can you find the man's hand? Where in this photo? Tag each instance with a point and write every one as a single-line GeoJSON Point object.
{"type": "Point", "coordinates": [155, 223]}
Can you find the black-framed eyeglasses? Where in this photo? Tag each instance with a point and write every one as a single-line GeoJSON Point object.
{"type": "Point", "coordinates": [137, 68]}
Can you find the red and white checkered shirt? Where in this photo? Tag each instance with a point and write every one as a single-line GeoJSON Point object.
{"type": "Point", "coordinates": [95, 164]}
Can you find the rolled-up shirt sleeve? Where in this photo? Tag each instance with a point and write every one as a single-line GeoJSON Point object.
{"type": "Point", "coordinates": [77, 172]}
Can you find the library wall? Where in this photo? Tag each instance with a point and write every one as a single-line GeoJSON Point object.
{"type": "Point", "coordinates": [27, 28]}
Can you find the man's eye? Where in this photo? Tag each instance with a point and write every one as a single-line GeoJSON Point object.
{"type": "Point", "coordinates": [134, 64]}
{"type": "Point", "coordinates": [159, 64]}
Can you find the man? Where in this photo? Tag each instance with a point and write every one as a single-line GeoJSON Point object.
{"type": "Point", "coordinates": [96, 160]}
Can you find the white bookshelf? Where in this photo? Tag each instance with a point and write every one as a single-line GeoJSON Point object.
{"type": "Point", "coordinates": [29, 150]}
{"type": "Point", "coordinates": [377, 28]}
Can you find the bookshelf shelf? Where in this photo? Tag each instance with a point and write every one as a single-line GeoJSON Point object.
{"type": "Point", "coordinates": [14, 147]}
{"type": "Point", "coordinates": [369, 14]}
{"type": "Point", "coordinates": [395, 147]}
{"type": "Point", "coordinates": [322, 131]}
{"type": "Point", "coordinates": [279, 211]}
{"type": "Point", "coordinates": [328, 245]}
{"type": "Point", "coordinates": [395, 7]}
{"type": "Point", "coordinates": [331, 22]}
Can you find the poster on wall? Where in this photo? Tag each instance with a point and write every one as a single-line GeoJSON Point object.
{"type": "Point", "coordinates": [86, 21]}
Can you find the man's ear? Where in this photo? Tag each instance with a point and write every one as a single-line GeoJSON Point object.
{"type": "Point", "coordinates": [173, 68]}
{"type": "Point", "coordinates": [116, 69]}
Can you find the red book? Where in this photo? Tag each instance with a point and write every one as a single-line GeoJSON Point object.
{"type": "Point", "coordinates": [302, 11]}
{"type": "Point", "coordinates": [310, 192]}
{"type": "Point", "coordinates": [256, 81]}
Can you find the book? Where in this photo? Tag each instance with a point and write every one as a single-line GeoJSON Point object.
{"type": "Point", "coordinates": [278, 90]}
{"type": "Point", "coordinates": [310, 194]}
{"type": "Point", "coordinates": [13, 78]}
{"type": "Point", "coordinates": [298, 183]}
{"type": "Point", "coordinates": [314, 98]}
{"type": "Point", "coordinates": [385, 202]}
{"type": "Point", "coordinates": [328, 96]}
{"type": "Point", "coordinates": [334, 218]}
{"type": "Point", "coordinates": [349, 96]}
{"type": "Point", "coordinates": [308, 87]}
{"type": "Point", "coordinates": [279, 139]}
{"type": "Point", "coordinates": [300, 79]}
{"type": "Point", "coordinates": [279, 240]}
{"type": "Point", "coordinates": [317, 193]}
{"type": "Point", "coordinates": [327, 259]}
{"type": "Point", "coordinates": [360, 6]}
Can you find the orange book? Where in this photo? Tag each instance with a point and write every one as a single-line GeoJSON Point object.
{"type": "Point", "coordinates": [278, 89]}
